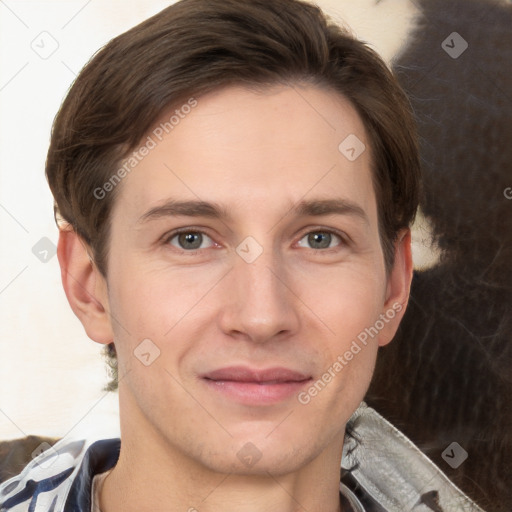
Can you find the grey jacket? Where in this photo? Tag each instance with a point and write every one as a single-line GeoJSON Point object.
{"type": "Point", "coordinates": [390, 474]}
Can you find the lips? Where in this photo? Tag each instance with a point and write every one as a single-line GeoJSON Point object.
{"type": "Point", "coordinates": [253, 387]}
{"type": "Point", "coordinates": [267, 376]}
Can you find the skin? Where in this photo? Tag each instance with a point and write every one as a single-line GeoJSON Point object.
{"type": "Point", "coordinates": [298, 305]}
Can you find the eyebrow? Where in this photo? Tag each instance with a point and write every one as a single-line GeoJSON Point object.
{"type": "Point", "coordinates": [174, 207]}
{"type": "Point", "coordinates": [311, 208]}
{"type": "Point", "coordinates": [317, 208]}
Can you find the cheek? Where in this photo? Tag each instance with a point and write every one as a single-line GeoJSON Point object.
{"type": "Point", "coordinates": [347, 300]}
{"type": "Point", "coordinates": [348, 305]}
{"type": "Point", "coordinates": [155, 304]}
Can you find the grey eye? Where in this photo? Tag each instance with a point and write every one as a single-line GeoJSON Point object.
{"type": "Point", "coordinates": [190, 241]}
{"type": "Point", "coordinates": [320, 240]}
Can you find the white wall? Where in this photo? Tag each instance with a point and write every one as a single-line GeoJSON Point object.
{"type": "Point", "coordinates": [51, 373]}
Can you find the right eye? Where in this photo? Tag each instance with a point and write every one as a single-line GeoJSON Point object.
{"type": "Point", "coordinates": [190, 240]}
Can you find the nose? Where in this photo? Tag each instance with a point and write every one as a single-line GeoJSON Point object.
{"type": "Point", "coordinates": [259, 301]}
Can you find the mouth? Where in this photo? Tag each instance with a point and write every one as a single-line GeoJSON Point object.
{"type": "Point", "coordinates": [256, 387]}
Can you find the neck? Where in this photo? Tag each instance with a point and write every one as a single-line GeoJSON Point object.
{"type": "Point", "coordinates": [133, 491]}
{"type": "Point", "coordinates": [153, 474]}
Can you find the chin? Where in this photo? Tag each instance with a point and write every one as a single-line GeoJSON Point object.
{"type": "Point", "coordinates": [261, 454]}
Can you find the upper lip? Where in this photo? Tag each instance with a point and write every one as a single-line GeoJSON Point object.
{"type": "Point", "coordinates": [245, 374]}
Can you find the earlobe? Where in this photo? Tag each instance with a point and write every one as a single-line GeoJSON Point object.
{"type": "Point", "coordinates": [398, 287]}
{"type": "Point", "coordinates": [84, 286]}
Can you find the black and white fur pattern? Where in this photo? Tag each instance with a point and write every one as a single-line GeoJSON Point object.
{"type": "Point", "coordinates": [448, 374]}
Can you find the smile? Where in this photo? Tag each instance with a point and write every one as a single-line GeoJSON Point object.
{"type": "Point", "coordinates": [256, 387]}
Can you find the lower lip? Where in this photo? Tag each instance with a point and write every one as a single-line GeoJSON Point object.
{"type": "Point", "coordinates": [252, 393]}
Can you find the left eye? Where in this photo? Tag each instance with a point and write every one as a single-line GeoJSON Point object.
{"type": "Point", "coordinates": [191, 241]}
{"type": "Point", "coordinates": [320, 240]}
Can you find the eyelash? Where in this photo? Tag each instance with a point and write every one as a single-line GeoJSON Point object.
{"type": "Point", "coordinates": [166, 239]}
{"type": "Point", "coordinates": [344, 239]}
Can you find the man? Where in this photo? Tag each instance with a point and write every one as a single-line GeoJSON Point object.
{"type": "Point", "coordinates": [236, 181]}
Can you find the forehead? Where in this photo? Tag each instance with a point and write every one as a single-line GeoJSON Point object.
{"type": "Point", "coordinates": [241, 147]}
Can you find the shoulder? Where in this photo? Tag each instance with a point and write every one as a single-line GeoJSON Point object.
{"type": "Point", "coordinates": [59, 479]}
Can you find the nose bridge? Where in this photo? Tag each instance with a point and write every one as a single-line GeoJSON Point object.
{"type": "Point", "coordinates": [261, 284]}
{"type": "Point", "coordinates": [262, 303]}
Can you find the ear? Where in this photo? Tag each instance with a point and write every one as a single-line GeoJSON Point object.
{"type": "Point", "coordinates": [398, 288]}
{"type": "Point", "coordinates": [85, 287]}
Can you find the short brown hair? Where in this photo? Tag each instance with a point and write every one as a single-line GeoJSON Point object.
{"type": "Point", "coordinates": [196, 46]}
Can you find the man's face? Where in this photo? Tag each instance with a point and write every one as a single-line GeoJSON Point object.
{"type": "Point", "coordinates": [250, 299]}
